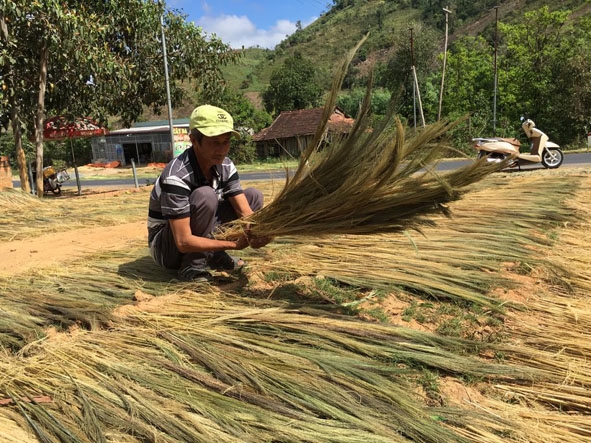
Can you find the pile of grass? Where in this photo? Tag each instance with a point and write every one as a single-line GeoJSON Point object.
{"type": "Point", "coordinates": [555, 336]}
{"type": "Point", "coordinates": [222, 370]}
{"type": "Point", "coordinates": [459, 259]}
{"type": "Point", "coordinates": [82, 294]}
{"type": "Point", "coordinates": [24, 216]}
{"type": "Point", "coordinates": [196, 363]}
{"type": "Point", "coordinates": [531, 224]}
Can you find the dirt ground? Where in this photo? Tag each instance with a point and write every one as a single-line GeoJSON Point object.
{"type": "Point", "coordinates": [51, 249]}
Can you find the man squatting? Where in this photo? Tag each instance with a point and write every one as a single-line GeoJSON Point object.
{"type": "Point", "coordinates": [196, 192]}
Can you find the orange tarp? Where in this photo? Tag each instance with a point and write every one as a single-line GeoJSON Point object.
{"type": "Point", "coordinates": [113, 164]}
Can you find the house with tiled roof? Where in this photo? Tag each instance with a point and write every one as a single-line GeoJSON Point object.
{"type": "Point", "coordinates": [292, 131]}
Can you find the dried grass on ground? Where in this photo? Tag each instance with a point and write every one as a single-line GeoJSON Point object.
{"type": "Point", "coordinates": [294, 351]}
{"type": "Point", "coordinates": [24, 216]}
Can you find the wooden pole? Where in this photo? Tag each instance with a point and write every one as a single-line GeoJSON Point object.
{"type": "Point", "coordinates": [447, 12]}
{"type": "Point", "coordinates": [415, 80]}
{"type": "Point", "coordinates": [496, 81]}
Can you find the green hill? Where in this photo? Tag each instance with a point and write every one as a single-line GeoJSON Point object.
{"type": "Point", "coordinates": [388, 23]}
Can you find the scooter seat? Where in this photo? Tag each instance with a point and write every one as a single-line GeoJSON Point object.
{"type": "Point", "coordinates": [512, 141]}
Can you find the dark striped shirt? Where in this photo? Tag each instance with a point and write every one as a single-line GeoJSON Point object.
{"type": "Point", "coordinates": [170, 197]}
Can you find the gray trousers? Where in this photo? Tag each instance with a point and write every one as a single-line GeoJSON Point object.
{"type": "Point", "coordinates": [207, 213]}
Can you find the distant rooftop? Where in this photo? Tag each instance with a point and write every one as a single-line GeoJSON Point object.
{"type": "Point", "coordinates": [303, 122]}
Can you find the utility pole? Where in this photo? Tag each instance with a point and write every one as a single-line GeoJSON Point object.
{"type": "Point", "coordinates": [415, 80]}
{"type": "Point", "coordinates": [496, 8]}
{"type": "Point", "coordinates": [414, 88]}
{"type": "Point", "coordinates": [447, 12]}
{"type": "Point", "coordinates": [167, 81]}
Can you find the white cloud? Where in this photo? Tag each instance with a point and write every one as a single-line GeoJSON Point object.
{"type": "Point", "coordinates": [238, 31]}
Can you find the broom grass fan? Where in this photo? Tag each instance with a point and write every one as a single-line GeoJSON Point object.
{"type": "Point", "coordinates": [371, 180]}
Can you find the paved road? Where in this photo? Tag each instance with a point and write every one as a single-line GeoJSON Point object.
{"type": "Point", "coordinates": [570, 160]}
{"type": "Point", "coordinates": [130, 182]}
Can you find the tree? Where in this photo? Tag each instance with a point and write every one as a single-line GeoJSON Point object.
{"type": "Point", "coordinates": [545, 71]}
{"type": "Point", "coordinates": [294, 85]}
{"type": "Point", "coordinates": [396, 75]}
{"type": "Point", "coordinates": [45, 39]}
{"type": "Point", "coordinates": [575, 80]}
{"type": "Point", "coordinates": [350, 101]}
{"type": "Point", "coordinates": [469, 80]}
{"type": "Point", "coordinates": [469, 88]}
{"type": "Point", "coordinates": [247, 119]}
{"type": "Point", "coordinates": [98, 58]}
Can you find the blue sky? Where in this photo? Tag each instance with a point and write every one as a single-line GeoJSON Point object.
{"type": "Point", "coordinates": [250, 22]}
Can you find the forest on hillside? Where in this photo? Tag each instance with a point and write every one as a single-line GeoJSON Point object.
{"type": "Point", "coordinates": [537, 54]}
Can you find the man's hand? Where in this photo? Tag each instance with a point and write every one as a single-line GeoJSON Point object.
{"type": "Point", "coordinates": [257, 242]}
{"type": "Point", "coordinates": [241, 241]}
{"type": "Point", "coordinates": [246, 239]}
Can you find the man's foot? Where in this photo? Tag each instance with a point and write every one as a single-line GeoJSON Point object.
{"type": "Point", "coordinates": [197, 275]}
{"type": "Point", "coordinates": [222, 261]}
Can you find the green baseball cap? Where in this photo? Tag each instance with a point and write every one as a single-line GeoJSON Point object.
{"type": "Point", "coordinates": [212, 121]}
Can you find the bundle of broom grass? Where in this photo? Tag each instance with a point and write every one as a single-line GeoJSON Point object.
{"type": "Point", "coordinates": [369, 181]}
{"type": "Point", "coordinates": [519, 220]}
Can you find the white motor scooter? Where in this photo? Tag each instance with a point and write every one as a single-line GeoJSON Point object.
{"type": "Point", "coordinates": [541, 150]}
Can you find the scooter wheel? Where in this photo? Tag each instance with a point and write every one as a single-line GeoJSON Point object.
{"type": "Point", "coordinates": [57, 191]}
{"type": "Point", "coordinates": [552, 158]}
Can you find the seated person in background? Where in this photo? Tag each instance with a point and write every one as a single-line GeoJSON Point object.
{"type": "Point", "coordinates": [196, 192]}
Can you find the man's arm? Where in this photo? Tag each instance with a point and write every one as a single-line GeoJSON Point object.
{"type": "Point", "coordinates": [187, 242]}
{"type": "Point", "coordinates": [240, 205]}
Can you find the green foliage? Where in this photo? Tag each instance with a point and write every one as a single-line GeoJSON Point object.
{"type": "Point", "coordinates": [396, 74]}
{"type": "Point", "coordinates": [468, 89]}
{"type": "Point", "coordinates": [379, 314]}
{"type": "Point", "coordinates": [245, 115]}
{"type": "Point", "coordinates": [6, 145]}
{"type": "Point", "coordinates": [243, 151]}
{"type": "Point", "coordinates": [349, 101]}
{"type": "Point", "coordinates": [453, 320]}
{"type": "Point", "coordinates": [102, 59]}
{"type": "Point", "coordinates": [429, 381]}
{"type": "Point", "coordinates": [68, 152]}
{"type": "Point", "coordinates": [334, 291]}
{"type": "Point", "coordinates": [547, 72]}
{"type": "Point", "coordinates": [295, 85]}
{"type": "Point", "coordinates": [245, 73]}
{"type": "Point", "coordinates": [55, 153]}
{"type": "Point", "coordinates": [451, 327]}
{"type": "Point", "coordinates": [462, 10]}
{"type": "Point", "coordinates": [342, 4]}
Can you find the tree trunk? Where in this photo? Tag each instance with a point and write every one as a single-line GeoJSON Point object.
{"type": "Point", "coordinates": [40, 118]}
{"type": "Point", "coordinates": [16, 120]}
{"type": "Point", "coordinates": [21, 160]}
